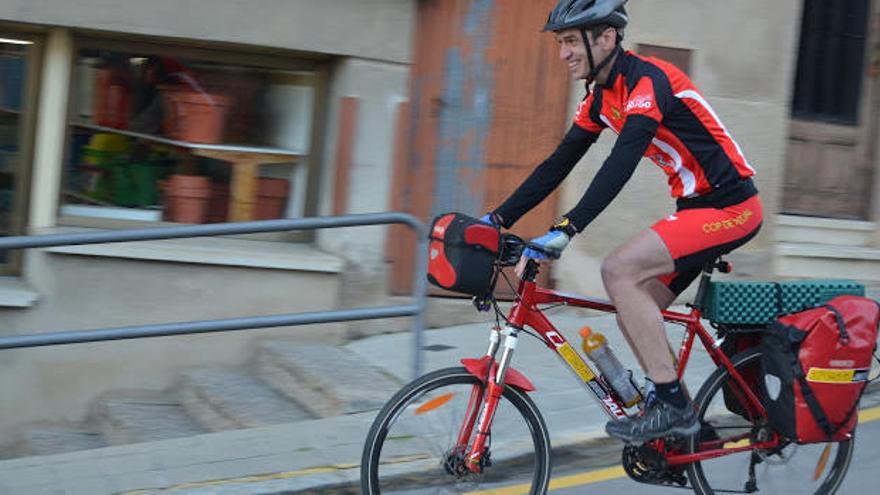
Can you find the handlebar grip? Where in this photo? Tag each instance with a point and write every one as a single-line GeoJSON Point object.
{"type": "Point", "coordinates": [553, 254]}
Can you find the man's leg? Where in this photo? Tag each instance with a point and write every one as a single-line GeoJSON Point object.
{"type": "Point", "coordinates": [663, 297]}
{"type": "Point", "coordinates": [627, 273]}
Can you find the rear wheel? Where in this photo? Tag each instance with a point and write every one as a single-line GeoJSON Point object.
{"type": "Point", "coordinates": [411, 447]}
{"type": "Point", "coordinates": [791, 469]}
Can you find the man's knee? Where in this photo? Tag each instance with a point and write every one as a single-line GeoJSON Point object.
{"type": "Point", "coordinates": [615, 271]}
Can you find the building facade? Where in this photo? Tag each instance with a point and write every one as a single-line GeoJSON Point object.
{"type": "Point", "coordinates": [353, 106]}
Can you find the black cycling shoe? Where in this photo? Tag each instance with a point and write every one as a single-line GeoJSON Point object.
{"type": "Point", "coordinates": [660, 420]}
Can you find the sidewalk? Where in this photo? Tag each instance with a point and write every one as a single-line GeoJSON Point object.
{"type": "Point", "coordinates": [319, 454]}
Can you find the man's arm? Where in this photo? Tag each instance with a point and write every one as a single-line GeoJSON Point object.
{"type": "Point", "coordinates": [546, 176]}
{"type": "Point", "coordinates": [634, 139]}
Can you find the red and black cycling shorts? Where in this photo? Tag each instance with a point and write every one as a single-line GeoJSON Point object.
{"type": "Point", "coordinates": [699, 235]}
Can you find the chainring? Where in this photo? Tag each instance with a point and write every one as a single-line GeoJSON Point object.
{"type": "Point", "coordinates": [645, 464]}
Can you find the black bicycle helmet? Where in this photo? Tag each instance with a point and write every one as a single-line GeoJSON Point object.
{"type": "Point", "coordinates": [587, 13]}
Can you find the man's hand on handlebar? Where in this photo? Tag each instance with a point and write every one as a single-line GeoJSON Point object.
{"type": "Point", "coordinates": [548, 246]}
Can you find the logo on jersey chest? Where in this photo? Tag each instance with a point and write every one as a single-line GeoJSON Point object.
{"type": "Point", "coordinates": [643, 102]}
{"type": "Point", "coordinates": [615, 112]}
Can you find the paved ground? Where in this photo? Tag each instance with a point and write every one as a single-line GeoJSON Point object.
{"type": "Point", "coordinates": [315, 455]}
{"type": "Point", "coordinates": [320, 452]}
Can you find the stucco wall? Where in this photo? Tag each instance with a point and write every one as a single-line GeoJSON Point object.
{"type": "Point", "coordinates": [378, 29]}
{"type": "Point", "coordinates": [83, 292]}
{"type": "Point", "coordinates": [742, 60]}
{"type": "Point", "coordinates": [380, 87]}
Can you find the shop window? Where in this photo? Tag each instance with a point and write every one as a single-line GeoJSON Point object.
{"type": "Point", "coordinates": [830, 61]}
{"type": "Point", "coordinates": [162, 134]}
{"type": "Point", "coordinates": [16, 114]}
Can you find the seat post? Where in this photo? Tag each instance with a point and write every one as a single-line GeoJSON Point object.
{"type": "Point", "coordinates": [705, 278]}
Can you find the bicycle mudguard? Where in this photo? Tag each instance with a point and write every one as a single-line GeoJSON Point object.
{"type": "Point", "coordinates": [479, 368]}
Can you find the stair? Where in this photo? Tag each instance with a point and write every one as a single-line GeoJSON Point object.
{"type": "Point", "coordinates": [142, 416]}
{"type": "Point", "coordinates": [287, 383]}
{"type": "Point", "coordinates": [223, 399]}
{"type": "Point", "coordinates": [826, 248]}
{"type": "Point", "coordinates": [328, 381]}
{"type": "Point", "coordinates": [55, 440]}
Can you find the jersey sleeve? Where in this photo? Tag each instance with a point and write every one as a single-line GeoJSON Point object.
{"type": "Point", "coordinates": [647, 100]}
{"type": "Point", "coordinates": [587, 117]}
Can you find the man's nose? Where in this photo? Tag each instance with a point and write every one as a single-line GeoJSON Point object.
{"type": "Point", "coordinates": [564, 52]}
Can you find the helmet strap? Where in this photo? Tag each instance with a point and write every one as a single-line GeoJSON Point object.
{"type": "Point", "coordinates": [589, 56]}
{"type": "Point", "coordinates": [595, 69]}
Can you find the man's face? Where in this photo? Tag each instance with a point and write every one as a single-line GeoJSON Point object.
{"type": "Point", "coordinates": [573, 50]}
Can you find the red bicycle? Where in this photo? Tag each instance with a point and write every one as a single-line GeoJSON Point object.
{"type": "Point", "coordinates": [457, 429]}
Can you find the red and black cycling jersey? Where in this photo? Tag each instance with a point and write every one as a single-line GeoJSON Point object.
{"type": "Point", "coordinates": [658, 113]}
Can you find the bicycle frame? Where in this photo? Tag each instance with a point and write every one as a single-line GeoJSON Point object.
{"type": "Point", "coordinates": [525, 313]}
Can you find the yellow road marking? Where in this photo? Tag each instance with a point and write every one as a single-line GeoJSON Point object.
{"type": "Point", "coordinates": [870, 414]}
{"type": "Point", "coordinates": [570, 481]}
{"type": "Point", "coordinates": [607, 474]}
{"type": "Point", "coordinates": [586, 478]}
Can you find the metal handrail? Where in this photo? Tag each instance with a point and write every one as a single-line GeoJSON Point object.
{"type": "Point", "coordinates": [417, 310]}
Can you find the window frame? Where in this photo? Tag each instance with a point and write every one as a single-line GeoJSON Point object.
{"type": "Point", "coordinates": [28, 128]}
{"type": "Point", "coordinates": [264, 57]}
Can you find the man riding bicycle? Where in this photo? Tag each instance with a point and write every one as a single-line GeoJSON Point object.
{"type": "Point", "coordinates": [657, 113]}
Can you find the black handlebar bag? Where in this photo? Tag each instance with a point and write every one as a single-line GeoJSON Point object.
{"type": "Point", "coordinates": [815, 366]}
{"type": "Point", "coordinates": [461, 254]}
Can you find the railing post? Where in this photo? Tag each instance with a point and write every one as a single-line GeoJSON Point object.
{"type": "Point", "coordinates": [420, 288]}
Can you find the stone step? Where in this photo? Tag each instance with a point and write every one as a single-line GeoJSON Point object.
{"type": "Point", "coordinates": [829, 231]}
{"type": "Point", "coordinates": [225, 399]}
{"type": "Point", "coordinates": [142, 416]}
{"type": "Point", "coordinates": [824, 261]}
{"type": "Point", "coordinates": [326, 380]}
{"type": "Point", "coordinates": [56, 439]}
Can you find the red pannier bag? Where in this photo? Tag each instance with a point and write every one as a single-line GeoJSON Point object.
{"type": "Point", "coordinates": [462, 254]}
{"type": "Point", "coordinates": [815, 366]}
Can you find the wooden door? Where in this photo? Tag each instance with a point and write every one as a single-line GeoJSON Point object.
{"type": "Point", "coordinates": [832, 139]}
{"type": "Point", "coordinates": [488, 102]}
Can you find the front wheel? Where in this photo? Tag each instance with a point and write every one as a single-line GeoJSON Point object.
{"type": "Point", "coordinates": [791, 468]}
{"type": "Point", "coordinates": [412, 445]}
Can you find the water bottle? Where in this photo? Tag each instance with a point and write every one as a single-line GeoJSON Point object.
{"type": "Point", "coordinates": [615, 374]}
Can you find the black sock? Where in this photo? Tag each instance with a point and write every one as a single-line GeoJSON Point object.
{"type": "Point", "coordinates": [672, 393]}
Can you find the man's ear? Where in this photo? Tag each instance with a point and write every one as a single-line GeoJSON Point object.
{"type": "Point", "coordinates": [609, 36]}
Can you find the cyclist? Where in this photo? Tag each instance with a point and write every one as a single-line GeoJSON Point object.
{"type": "Point", "coordinates": [658, 113]}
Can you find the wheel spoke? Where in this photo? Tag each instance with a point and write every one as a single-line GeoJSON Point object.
{"type": "Point", "coordinates": [415, 443]}
{"type": "Point", "coordinates": [788, 468]}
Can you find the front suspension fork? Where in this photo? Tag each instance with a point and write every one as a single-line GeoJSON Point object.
{"type": "Point", "coordinates": [494, 390]}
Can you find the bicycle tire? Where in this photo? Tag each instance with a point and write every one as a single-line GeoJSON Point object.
{"type": "Point", "coordinates": [446, 379]}
{"type": "Point", "coordinates": [710, 400]}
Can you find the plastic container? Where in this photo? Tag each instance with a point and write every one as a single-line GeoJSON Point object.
{"type": "Point", "coordinates": [596, 348]}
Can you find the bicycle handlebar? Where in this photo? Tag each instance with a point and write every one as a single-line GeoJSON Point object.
{"type": "Point", "coordinates": [512, 247]}
{"type": "Point", "coordinates": [553, 254]}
